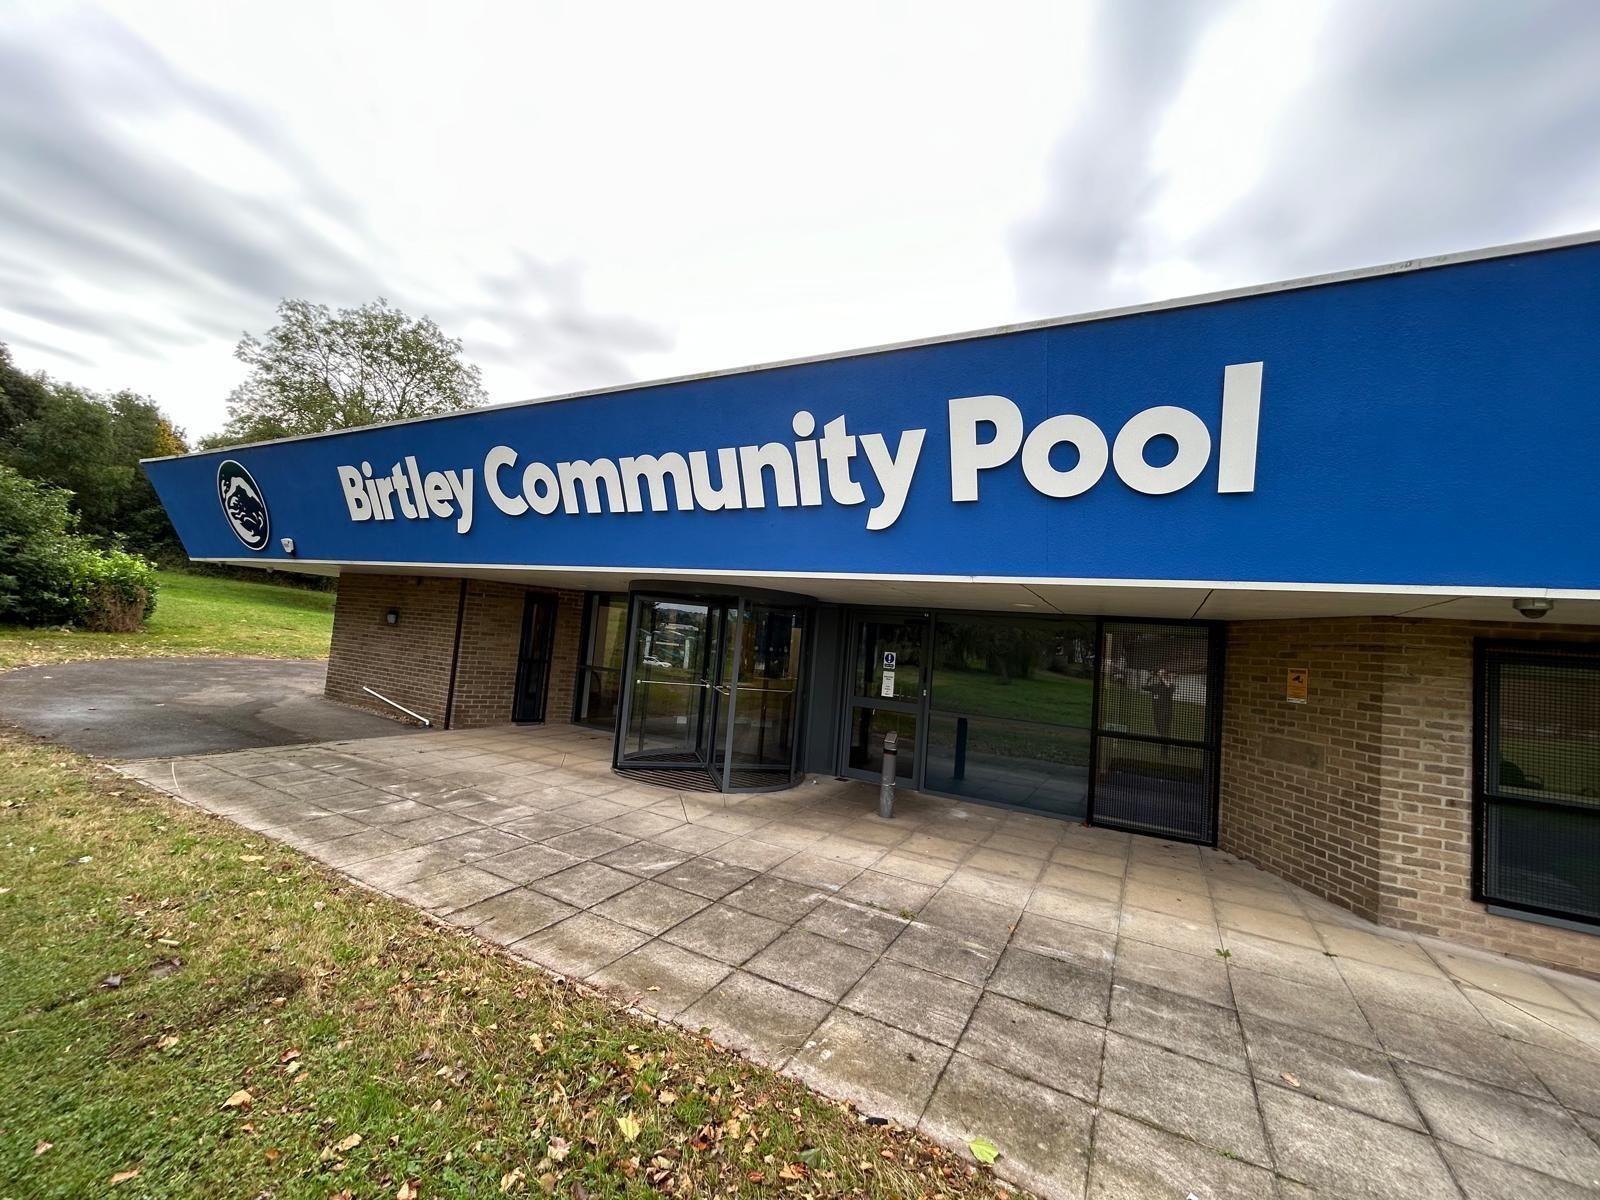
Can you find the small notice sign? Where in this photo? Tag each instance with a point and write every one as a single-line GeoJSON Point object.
{"type": "Point", "coordinates": [888, 660]}
{"type": "Point", "coordinates": [1298, 685]}
{"type": "Point", "coordinates": [888, 683]}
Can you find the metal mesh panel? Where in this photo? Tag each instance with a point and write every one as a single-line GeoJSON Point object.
{"type": "Point", "coordinates": [1539, 780]}
{"type": "Point", "coordinates": [1155, 744]}
{"type": "Point", "coordinates": [1151, 787]}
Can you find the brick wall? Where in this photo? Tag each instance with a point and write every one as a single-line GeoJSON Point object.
{"type": "Point", "coordinates": [1364, 793]}
{"type": "Point", "coordinates": [1300, 782]}
{"type": "Point", "coordinates": [410, 662]}
{"type": "Point", "coordinates": [491, 631]}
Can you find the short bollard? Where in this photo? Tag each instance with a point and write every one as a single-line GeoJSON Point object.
{"type": "Point", "coordinates": [886, 789]}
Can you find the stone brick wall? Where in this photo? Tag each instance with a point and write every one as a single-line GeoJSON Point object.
{"type": "Point", "coordinates": [411, 661]}
{"type": "Point", "coordinates": [1363, 794]}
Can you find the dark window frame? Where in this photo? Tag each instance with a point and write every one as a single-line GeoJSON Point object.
{"type": "Point", "coordinates": [1485, 792]}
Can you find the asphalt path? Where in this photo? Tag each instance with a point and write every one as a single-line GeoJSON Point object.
{"type": "Point", "coordinates": [156, 707]}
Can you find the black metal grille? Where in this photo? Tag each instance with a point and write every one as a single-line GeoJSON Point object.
{"type": "Point", "coordinates": [1537, 782]}
{"type": "Point", "coordinates": [1155, 742]}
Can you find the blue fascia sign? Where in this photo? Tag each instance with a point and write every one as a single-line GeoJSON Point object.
{"type": "Point", "coordinates": [1436, 427]}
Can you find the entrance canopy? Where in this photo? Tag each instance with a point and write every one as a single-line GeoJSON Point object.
{"type": "Point", "coordinates": [1411, 440]}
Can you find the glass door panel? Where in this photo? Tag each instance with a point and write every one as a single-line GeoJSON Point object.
{"type": "Point", "coordinates": [714, 686]}
{"type": "Point", "coordinates": [887, 689]}
{"type": "Point", "coordinates": [766, 695]}
{"type": "Point", "coordinates": [671, 692]}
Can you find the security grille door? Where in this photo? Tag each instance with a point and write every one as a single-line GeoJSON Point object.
{"type": "Point", "coordinates": [1537, 780]}
{"type": "Point", "coordinates": [1155, 729]}
{"type": "Point", "coordinates": [533, 658]}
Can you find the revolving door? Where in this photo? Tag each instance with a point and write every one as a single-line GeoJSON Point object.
{"type": "Point", "coordinates": [712, 692]}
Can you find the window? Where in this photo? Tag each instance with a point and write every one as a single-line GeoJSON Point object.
{"type": "Point", "coordinates": [605, 647]}
{"type": "Point", "coordinates": [1156, 729]}
{"type": "Point", "coordinates": [1009, 711]}
{"type": "Point", "coordinates": [1537, 780]}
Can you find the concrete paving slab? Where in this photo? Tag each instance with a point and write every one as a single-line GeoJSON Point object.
{"type": "Point", "coordinates": [1327, 1069]}
{"type": "Point", "coordinates": [1464, 1047]}
{"type": "Point", "coordinates": [1134, 1161]}
{"type": "Point", "coordinates": [726, 934]}
{"type": "Point", "coordinates": [1042, 1135]}
{"type": "Point", "coordinates": [1505, 1125]}
{"type": "Point", "coordinates": [1346, 1154]}
{"type": "Point", "coordinates": [1049, 983]}
{"type": "Point", "coordinates": [1030, 1043]}
{"type": "Point", "coordinates": [651, 907]}
{"type": "Point", "coordinates": [456, 888]}
{"type": "Point", "coordinates": [1320, 1010]}
{"type": "Point", "coordinates": [585, 885]}
{"type": "Point", "coordinates": [579, 945]}
{"type": "Point", "coordinates": [528, 862]}
{"type": "Point", "coordinates": [708, 877]}
{"type": "Point", "coordinates": [933, 1007]}
{"type": "Point", "coordinates": [946, 953]}
{"type": "Point", "coordinates": [854, 925]}
{"type": "Point", "coordinates": [1208, 1104]}
{"type": "Point", "coordinates": [889, 1072]}
{"type": "Point", "coordinates": [776, 899]}
{"type": "Point", "coordinates": [660, 978]}
{"type": "Point", "coordinates": [512, 916]}
{"type": "Point", "coordinates": [1179, 1023]}
{"type": "Point", "coordinates": [1189, 975]}
{"type": "Point", "coordinates": [760, 1018]}
{"type": "Point", "coordinates": [1484, 1178]}
{"type": "Point", "coordinates": [810, 963]}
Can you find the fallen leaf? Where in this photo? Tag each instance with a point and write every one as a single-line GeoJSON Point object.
{"type": "Point", "coordinates": [983, 1150]}
{"type": "Point", "coordinates": [1290, 1079]}
{"type": "Point", "coordinates": [408, 1191]}
{"type": "Point", "coordinates": [240, 1099]}
{"type": "Point", "coordinates": [167, 1042]}
{"type": "Point", "coordinates": [289, 1055]}
{"type": "Point", "coordinates": [792, 1171]}
{"type": "Point", "coordinates": [558, 1149]}
{"type": "Point", "coordinates": [124, 1176]}
{"type": "Point", "coordinates": [629, 1127]}
{"type": "Point", "coordinates": [667, 1097]}
{"type": "Point", "coordinates": [40, 1147]}
{"type": "Point", "coordinates": [250, 858]}
{"type": "Point", "coordinates": [349, 1143]}
{"type": "Point", "coordinates": [511, 1178]}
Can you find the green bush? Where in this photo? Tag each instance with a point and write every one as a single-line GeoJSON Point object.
{"type": "Point", "coordinates": [114, 591]}
{"type": "Point", "coordinates": [52, 575]}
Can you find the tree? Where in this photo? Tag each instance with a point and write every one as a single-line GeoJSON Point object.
{"type": "Point", "coordinates": [317, 370]}
{"type": "Point", "coordinates": [21, 394]}
{"type": "Point", "coordinates": [90, 446]}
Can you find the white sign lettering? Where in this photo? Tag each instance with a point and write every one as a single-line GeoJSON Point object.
{"type": "Point", "coordinates": [987, 433]}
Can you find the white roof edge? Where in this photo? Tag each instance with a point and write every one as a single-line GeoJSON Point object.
{"type": "Point", "coordinates": [1401, 267]}
{"type": "Point", "coordinates": [1361, 589]}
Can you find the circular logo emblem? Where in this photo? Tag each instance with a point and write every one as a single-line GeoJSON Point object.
{"type": "Point", "coordinates": [243, 505]}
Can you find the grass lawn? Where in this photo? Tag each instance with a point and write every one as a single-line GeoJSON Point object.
{"type": "Point", "coordinates": [184, 1000]}
{"type": "Point", "coordinates": [195, 615]}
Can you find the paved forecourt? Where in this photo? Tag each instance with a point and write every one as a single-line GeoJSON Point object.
{"type": "Point", "coordinates": [1122, 1017]}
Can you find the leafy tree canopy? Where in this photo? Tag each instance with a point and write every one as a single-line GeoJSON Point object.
{"type": "Point", "coordinates": [90, 445]}
{"type": "Point", "coordinates": [319, 369]}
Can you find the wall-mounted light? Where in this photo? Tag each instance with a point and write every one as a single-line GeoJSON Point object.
{"type": "Point", "coordinates": [287, 544]}
{"type": "Point", "coordinates": [392, 616]}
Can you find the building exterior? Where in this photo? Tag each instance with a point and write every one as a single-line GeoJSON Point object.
{"type": "Point", "coordinates": [1309, 572]}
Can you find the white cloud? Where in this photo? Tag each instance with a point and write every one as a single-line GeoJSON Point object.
{"type": "Point", "coordinates": [588, 194]}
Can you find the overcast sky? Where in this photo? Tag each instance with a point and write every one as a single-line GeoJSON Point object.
{"type": "Point", "coordinates": [589, 194]}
